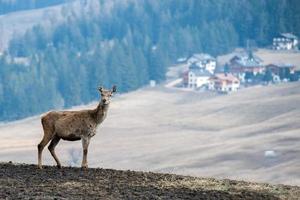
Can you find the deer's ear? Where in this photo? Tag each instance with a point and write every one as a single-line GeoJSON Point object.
{"type": "Point", "coordinates": [114, 88]}
{"type": "Point", "coordinates": [100, 89]}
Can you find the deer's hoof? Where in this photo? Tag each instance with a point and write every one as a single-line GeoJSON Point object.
{"type": "Point", "coordinates": [58, 166]}
{"type": "Point", "coordinates": [40, 167]}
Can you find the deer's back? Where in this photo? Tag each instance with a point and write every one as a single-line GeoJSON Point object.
{"type": "Point", "coordinates": [70, 124]}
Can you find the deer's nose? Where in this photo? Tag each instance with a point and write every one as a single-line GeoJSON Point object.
{"type": "Point", "coordinates": [104, 100]}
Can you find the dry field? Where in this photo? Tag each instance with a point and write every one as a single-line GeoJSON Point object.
{"type": "Point", "coordinates": [28, 182]}
{"type": "Point", "coordinates": [187, 133]}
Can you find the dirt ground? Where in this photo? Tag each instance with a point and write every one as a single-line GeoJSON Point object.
{"type": "Point", "coordinates": [20, 181]}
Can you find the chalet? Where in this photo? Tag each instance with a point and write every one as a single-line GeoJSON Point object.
{"type": "Point", "coordinates": [197, 77]}
{"type": "Point", "coordinates": [204, 61]}
{"type": "Point", "coordinates": [224, 83]}
{"type": "Point", "coordinates": [242, 63]}
{"type": "Point", "coordinates": [280, 72]}
{"type": "Point", "coordinates": [285, 41]}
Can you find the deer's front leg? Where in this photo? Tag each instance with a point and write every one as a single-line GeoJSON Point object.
{"type": "Point", "coordinates": [85, 144]}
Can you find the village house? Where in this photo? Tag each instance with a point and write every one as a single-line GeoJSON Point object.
{"type": "Point", "coordinates": [17, 60]}
{"type": "Point", "coordinates": [204, 61]}
{"type": "Point", "coordinates": [224, 82]}
{"type": "Point", "coordinates": [242, 63]}
{"type": "Point", "coordinates": [196, 77]}
{"type": "Point", "coordinates": [285, 41]}
{"type": "Point", "coordinates": [280, 72]}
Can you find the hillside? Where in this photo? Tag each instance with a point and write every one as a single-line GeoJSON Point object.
{"type": "Point", "coordinates": [127, 43]}
{"type": "Point", "coordinates": [17, 23]}
{"type": "Point", "coordinates": [9, 6]}
{"type": "Point", "coordinates": [28, 182]}
{"type": "Point", "coordinates": [187, 133]}
{"type": "Point", "coordinates": [268, 57]}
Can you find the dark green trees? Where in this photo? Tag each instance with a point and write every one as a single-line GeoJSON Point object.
{"type": "Point", "coordinates": [129, 45]}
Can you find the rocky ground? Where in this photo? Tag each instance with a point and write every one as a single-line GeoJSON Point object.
{"type": "Point", "coordinates": [20, 181]}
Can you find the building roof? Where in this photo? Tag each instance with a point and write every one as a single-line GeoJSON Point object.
{"type": "Point", "coordinates": [202, 57]}
{"type": "Point", "coordinates": [225, 77]}
{"type": "Point", "coordinates": [249, 55]}
{"type": "Point", "coordinates": [193, 66]}
{"type": "Point", "coordinates": [200, 72]}
{"type": "Point", "coordinates": [282, 65]}
{"type": "Point", "coordinates": [248, 63]}
{"type": "Point", "coordinates": [289, 35]}
{"type": "Point", "coordinates": [247, 60]}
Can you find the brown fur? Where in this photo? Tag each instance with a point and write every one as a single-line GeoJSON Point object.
{"type": "Point", "coordinates": [72, 126]}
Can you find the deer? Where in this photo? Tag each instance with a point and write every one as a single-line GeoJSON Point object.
{"type": "Point", "coordinates": [73, 126]}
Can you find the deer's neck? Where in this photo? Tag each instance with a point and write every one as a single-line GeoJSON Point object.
{"type": "Point", "coordinates": [100, 112]}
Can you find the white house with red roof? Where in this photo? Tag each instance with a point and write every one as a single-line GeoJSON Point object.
{"type": "Point", "coordinates": [224, 82]}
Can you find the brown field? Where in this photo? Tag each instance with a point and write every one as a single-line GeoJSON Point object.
{"type": "Point", "coordinates": [28, 182]}
{"type": "Point", "coordinates": [187, 133]}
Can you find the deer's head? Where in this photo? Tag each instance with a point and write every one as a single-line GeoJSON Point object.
{"type": "Point", "coordinates": [107, 94]}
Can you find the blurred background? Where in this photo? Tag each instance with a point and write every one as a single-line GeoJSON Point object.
{"type": "Point", "coordinates": [206, 87]}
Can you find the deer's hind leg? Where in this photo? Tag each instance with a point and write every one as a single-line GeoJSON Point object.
{"type": "Point", "coordinates": [46, 139]}
{"type": "Point", "coordinates": [51, 148]}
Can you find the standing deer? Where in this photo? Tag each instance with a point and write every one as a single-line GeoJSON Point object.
{"type": "Point", "coordinates": [72, 126]}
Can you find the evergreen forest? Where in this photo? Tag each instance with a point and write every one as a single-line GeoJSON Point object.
{"type": "Point", "coordinates": [126, 43]}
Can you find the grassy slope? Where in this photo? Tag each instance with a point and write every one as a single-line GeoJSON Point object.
{"type": "Point", "coordinates": [198, 134]}
{"type": "Point", "coordinates": [17, 23]}
{"type": "Point", "coordinates": [269, 57]}
{"type": "Point", "coordinates": [26, 181]}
